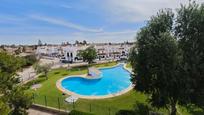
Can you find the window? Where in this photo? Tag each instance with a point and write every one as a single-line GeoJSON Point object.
{"type": "Point", "coordinates": [71, 55]}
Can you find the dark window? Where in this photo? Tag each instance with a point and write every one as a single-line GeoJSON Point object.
{"type": "Point", "coordinates": [71, 55]}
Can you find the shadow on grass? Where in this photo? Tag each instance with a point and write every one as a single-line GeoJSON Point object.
{"type": "Point", "coordinates": [139, 109]}
{"type": "Point", "coordinates": [194, 110]}
{"type": "Point", "coordinates": [36, 81]}
{"type": "Point", "coordinates": [64, 74]}
{"type": "Point", "coordinates": [56, 72]}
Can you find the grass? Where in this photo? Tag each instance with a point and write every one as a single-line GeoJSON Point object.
{"type": "Point", "coordinates": [74, 112]}
{"type": "Point", "coordinates": [55, 98]}
{"type": "Point", "coordinates": [128, 65]}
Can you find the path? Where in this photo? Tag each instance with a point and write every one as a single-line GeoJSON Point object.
{"type": "Point", "coordinates": [27, 74]}
{"type": "Point", "coordinates": [37, 112]}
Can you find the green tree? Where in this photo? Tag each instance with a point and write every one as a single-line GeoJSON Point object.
{"type": "Point", "coordinates": [4, 108]}
{"type": "Point", "coordinates": [43, 69]}
{"type": "Point", "coordinates": [30, 60]}
{"type": "Point", "coordinates": [9, 64]}
{"type": "Point", "coordinates": [155, 63]}
{"type": "Point", "coordinates": [190, 31]}
{"type": "Point", "coordinates": [20, 100]}
{"type": "Point", "coordinates": [76, 42]}
{"type": "Point", "coordinates": [18, 51]}
{"type": "Point", "coordinates": [40, 43]}
{"type": "Point", "coordinates": [84, 42]}
{"type": "Point", "coordinates": [23, 48]}
{"type": "Point", "coordinates": [89, 54]}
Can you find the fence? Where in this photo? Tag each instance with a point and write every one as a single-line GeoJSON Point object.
{"type": "Point", "coordinates": [83, 105]}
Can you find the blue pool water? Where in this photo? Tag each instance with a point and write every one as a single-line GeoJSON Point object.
{"type": "Point", "coordinates": [113, 80]}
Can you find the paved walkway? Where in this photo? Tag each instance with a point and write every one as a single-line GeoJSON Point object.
{"type": "Point", "coordinates": [37, 112]}
{"type": "Point", "coordinates": [41, 110]}
{"type": "Point", "coordinates": [27, 74]}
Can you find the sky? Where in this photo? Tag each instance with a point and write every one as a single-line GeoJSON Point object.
{"type": "Point", "coordinates": [57, 21]}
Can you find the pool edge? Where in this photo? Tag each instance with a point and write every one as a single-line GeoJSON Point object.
{"type": "Point", "coordinates": [68, 92]}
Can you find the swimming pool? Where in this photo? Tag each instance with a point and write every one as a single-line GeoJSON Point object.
{"type": "Point", "coordinates": [113, 81]}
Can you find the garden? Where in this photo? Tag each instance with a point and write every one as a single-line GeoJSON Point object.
{"type": "Point", "coordinates": [49, 96]}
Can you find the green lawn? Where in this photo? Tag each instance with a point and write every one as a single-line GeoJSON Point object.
{"type": "Point", "coordinates": [54, 97]}
{"type": "Point", "coordinates": [128, 65]}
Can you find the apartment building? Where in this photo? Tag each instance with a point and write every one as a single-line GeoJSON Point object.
{"type": "Point", "coordinates": [68, 53]}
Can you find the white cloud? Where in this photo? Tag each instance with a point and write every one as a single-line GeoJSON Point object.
{"type": "Point", "coordinates": [118, 32]}
{"type": "Point", "coordinates": [10, 19]}
{"type": "Point", "coordinates": [138, 10]}
{"type": "Point", "coordinates": [64, 23]}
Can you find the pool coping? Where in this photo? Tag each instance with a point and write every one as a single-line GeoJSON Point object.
{"type": "Point", "coordinates": [68, 92]}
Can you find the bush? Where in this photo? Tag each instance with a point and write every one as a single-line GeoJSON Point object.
{"type": "Point", "coordinates": [126, 112]}
{"type": "Point", "coordinates": [142, 109]}
{"type": "Point", "coordinates": [30, 60]}
{"type": "Point", "coordinates": [36, 81]}
{"type": "Point", "coordinates": [75, 112]}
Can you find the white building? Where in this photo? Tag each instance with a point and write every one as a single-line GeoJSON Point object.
{"type": "Point", "coordinates": [69, 53]}
{"type": "Point", "coordinates": [113, 51]}
{"type": "Point", "coordinates": [51, 51]}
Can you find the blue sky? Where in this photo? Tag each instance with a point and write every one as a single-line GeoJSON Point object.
{"type": "Point", "coordinates": [56, 21]}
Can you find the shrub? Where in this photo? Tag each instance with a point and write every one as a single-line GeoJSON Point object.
{"type": "Point", "coordinates": [30, 60]}
{"type": "Point", "coordinates": [75, 112]}
{"type": "Point", "coordinates": [36, 81]}
{"type": "Point", "coordinates": [125, 112]}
